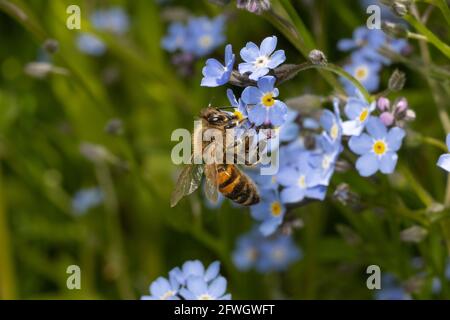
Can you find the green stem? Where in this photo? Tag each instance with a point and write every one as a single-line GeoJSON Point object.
{"type": "Point", "coordinates": [339, 71]}
{"type": "Point", "coordinates": [442, 5]}
{"type": "Point", "coordinates": [297, 34]}
{"type": "Point", "coordinates": [435, 142]}
{"type": "Point", "coordinates": [432, 38]}
{"type": "Point", "coordinates": [116, 255]}
{"type": "Point", "coordinates": [7, 277]}
{"type": "Point", "coordinates": [421, 192]}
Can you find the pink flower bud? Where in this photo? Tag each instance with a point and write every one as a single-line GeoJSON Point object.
{"type": "Point", "coordinates": [387, 118]}
{"type": "Point", "coordinates": [383, 104]}
{"type": "Point", "coordinates": [401, 105]}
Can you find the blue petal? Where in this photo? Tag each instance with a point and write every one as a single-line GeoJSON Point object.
{"type": "Point", "coordinates": [327, 119]}
{"type": "Point", "coordinates": [276, 59]}
{"type": "Point", "coordinates": [159, 287]}
{"type": "Point", "coordinates": [268, 45]}
{"type": "Point", "coordinates": [352, 128]}
{"type": "Point", "coordinates": [194, 267]}
{"type": "Point", "coordinates": [258, 73]}
{"type": "Point", "coordinates": [257, 114]}
{"type": "Point", "coordinates": [388, 162]}
{"type": "Point", "coordinates": [354, 107]}
{"type": "Point", "coordinates": [246, 67]}
{"type": "Point", "coordinates": [277, 113]}
{"type": "Point", "coordinates": [288, 176]}
{"type": "Point", "coordinates": [292, 194]}
{"type": "Point", "coordinates": [250, 53]}
{"type": "Point", "coordinates": [447, 141]}
{"type": "Point", "coordinates": [444, 162]}
{"type": "Point", "coordinates": [346, 45]}
{"type": "Point", "coordinates": [266, 84]}
{"type": "Point", "coordinates": [197, 285]}
{"type": "Point", "coordinates": [212, 271]}
{"type": "Point", "coordinates": [187, 295]}
{"type": "Point", "coordinates": [318, 192]}
{"type": "Point", "coordinates": [360, 144]}
{"type": "Point", "coordinates": [270, 226]}
{"type": "Point", "coordinates": [367, 164]}
{"type": "Point", "coordinates": [376, 128]}
{"type": "Point", "coordinates": [217, 287]}
{"type": "Point", "coordinates": [251, 95]}
{"type": "Point", "coordinates": [232, 98]}
{"type": "Point", "coordinates": [229, 56]}
{"type": "Point", "coordinates": [394, 138]}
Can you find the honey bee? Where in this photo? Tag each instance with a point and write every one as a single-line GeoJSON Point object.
{"type": "Point", "coordinates": [220, 177]}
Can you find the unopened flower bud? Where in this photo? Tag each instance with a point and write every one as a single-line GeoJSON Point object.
{"type": "Point", "coordinates": [51, 46]}
{"type": "Point", "coordinates": [254, 6]}
{"type": "Point", "coordinates": [397, 81]}
{"type": "Point", "coordinates": [317, 57]}
{"type": "Point", "coordinates": [400, 8]}
{"type": "Point", "coordinates": [394, 30]}
{"type": "Point", "coordinates": [410, 115]}
{"type": "Point", "coordinates": [114, 127]}
{"type": "Point", "coordinates": [94, 152]}
{"type": "Point", "coordinates": [383, 104]}
{"type": "Point", "coordinates": [401, 106]}
{"type": "Point", "coordinates": [413, 234]}
{"type": "Point", "coordinates": [387, 118]}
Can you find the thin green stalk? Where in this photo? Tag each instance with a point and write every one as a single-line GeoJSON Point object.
{"type": "Point", "coordinates": [339, 71]}
{"type": "Point", "coordinates": [432, 38]}
{"type": "Point", "coordinates": [442, 5]}
{"type": "Point", "coordinates": [7, 277]}
{"type": "Point", "coordinates": [435, 143]}
{"type": "Point", "coordinates": [114, 230]}
{"type": "Point", "coordinates": [298, 35]}
{"type": "Point", "coordinates": [421, 192]}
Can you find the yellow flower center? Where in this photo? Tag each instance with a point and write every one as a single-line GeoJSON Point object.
{"type": "Point", "coordinates": [205, 297]}
{"type": "Point", "coordinates": [205, 41]}
{"type": "Point", "coordinates": [167, 295]}
{"type": "Point", "coordinates": [275, 208]}
{"type": "Point", "coordinates": [302, 182]}
{"type": "Point", "coordinates": [334, 132]}
{"type": "Point", "coordinates": [363, 115]}
{"type": "Point", "coordinates": [268, 100]}
{"type": "Point", "coordinates": [326, 161]}
{"type": "Point", "coordinates": [361, 73]}
{"type": "Point", "coordinates": [251, 254]}
{"type": "Point", "coordinates": [261, 62]}
{"type": "Point", "coordinates": [379, 147]}
{"type": "Point", "coordinates": [273, 180]}
{"type": "Point", "coordinates": [278, 254]}
{"type": "Point", "coordinates": [239, 116]}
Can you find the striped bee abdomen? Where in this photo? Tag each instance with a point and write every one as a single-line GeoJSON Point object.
{"type": "Point", "coordinates": [236, 186]}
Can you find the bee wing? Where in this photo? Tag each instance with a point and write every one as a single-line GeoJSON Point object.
{"type": "Point", "coordinates": [188, 181]}
{"type": "Point", "coordinates": [211, 191]}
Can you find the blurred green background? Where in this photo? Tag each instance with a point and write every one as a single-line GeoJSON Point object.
{"type": "Point", "coordinates": [53, 143]}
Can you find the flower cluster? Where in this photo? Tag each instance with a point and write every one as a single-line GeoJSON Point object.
{"type": "Point", "coordinates": [308, 152]}
{"type": "Point", "coordinates": [276, 253]}
{"type": "Point", "coordinates": [190, 282]}
{"type": "Point", "coordinates": [114, 20]}
{"type": "Point", "coordinates": [366, 59]}
{"type": "Point", "coordinates": [199, 37]}
{"type": "Point", "coordinates": [258, 103]}
{"type": "Point", "coordinates": [391, 289]}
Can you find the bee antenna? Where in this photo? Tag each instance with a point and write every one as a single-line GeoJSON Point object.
{"type": "Point", "coordinates": [210, 102]}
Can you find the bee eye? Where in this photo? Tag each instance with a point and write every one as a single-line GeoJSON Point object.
{"type": "Point", "coordinates": [213, 119]}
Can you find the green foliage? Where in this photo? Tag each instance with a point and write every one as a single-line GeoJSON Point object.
{"type": "Point", "coordinates": [135, 236]}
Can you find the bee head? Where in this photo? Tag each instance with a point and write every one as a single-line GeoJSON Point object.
{"type": "Point", "coordinates": [218, 118]}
